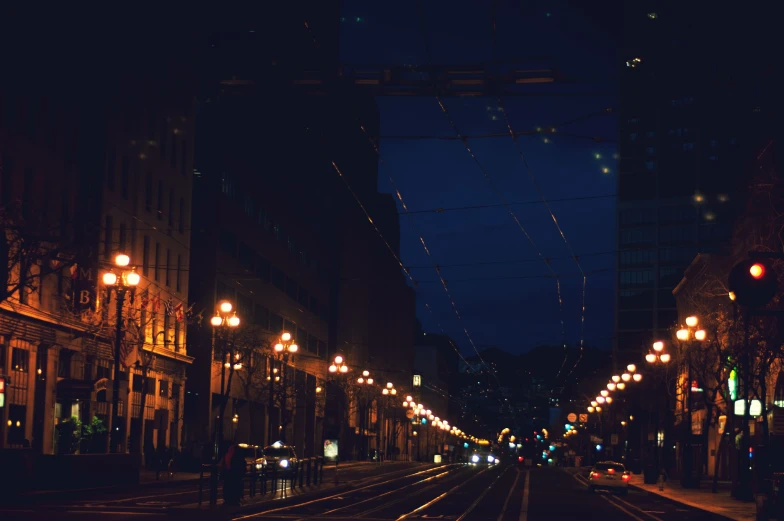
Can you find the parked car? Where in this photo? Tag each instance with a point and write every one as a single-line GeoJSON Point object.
{"type": "Point", "coordinates": [609, 475]}
{"type": "Point", "coordinates": [283, 458]}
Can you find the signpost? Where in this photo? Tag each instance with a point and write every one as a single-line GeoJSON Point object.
{"type": "Point", "coordinates": [572, 417]}
{"type": "Point", "coordinates": [583, 418]}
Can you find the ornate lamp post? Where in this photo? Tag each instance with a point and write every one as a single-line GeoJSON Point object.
{"type": "Point", "coordinates": [224, 323]}
{"type": "Point", "coordinates": [365, 382]}
{"type": "Point", "coordinates": [283, 349]}
{"type": "Point", "coordinates": [389, 393]}
{"type": "Point", "coordinates": [120, 280]}
{"type": "Point", "coordinates": [688, 335]}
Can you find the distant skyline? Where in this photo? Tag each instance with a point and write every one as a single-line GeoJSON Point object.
{"type": "Point", "coordinates": [513, 310]}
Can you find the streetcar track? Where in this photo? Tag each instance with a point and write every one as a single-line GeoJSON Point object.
{"type": "Point", "coordinates": [482, 496]}
{"type": "Point", "coordinates": [334, 496]}
{"type": "Point", "coordinates": [374, 498]}
{"type": "Point", "coordinates": [441, 496]}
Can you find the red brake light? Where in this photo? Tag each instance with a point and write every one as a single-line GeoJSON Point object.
{"type": "Point", "coordinates": [520, 458]}
{"type": "Point", "coordinates": [626, 477]}
{"type": "Point", "coordinates": [595, 474]}
{"type": "Point", "coordinates": [611, 471]}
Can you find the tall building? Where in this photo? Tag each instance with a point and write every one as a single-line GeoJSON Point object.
{"type": "Point", "coordinates": [278, 233]}
{"type": "Point", "coordinates": [95, 151]}
{"type": "Point", "coordinates": [697, 104]}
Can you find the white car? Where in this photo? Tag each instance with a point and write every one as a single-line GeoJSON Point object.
{"type": "Point", "coordinates": [483, 458]}
{"type": "Point", "coordinates": [609, 475]}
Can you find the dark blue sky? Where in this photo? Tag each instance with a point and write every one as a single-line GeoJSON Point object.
{"type": "Point", "coordinates": [508, 311]}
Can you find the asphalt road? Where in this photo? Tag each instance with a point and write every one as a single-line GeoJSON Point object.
{"type": "Point", "coordinates": [451, 492]}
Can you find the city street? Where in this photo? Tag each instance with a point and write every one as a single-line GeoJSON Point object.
{"type": "Point", "coordinates": [394, 492]}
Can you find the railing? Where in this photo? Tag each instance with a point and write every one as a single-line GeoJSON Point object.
{"type": "Point", "coordinates": [308, 472]}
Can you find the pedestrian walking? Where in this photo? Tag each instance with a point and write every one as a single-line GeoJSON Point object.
{"type": "Point", "coordinates": [233, 473]}
{"type": "Point", "coordinates": [662, 478]}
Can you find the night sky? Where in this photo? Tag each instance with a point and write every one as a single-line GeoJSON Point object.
{"type": "Point", "coordinates": [505, 293]}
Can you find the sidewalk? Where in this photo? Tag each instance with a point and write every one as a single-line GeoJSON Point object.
{"type": "Point", "coordinates": [149, 477]}
{"type": "Point", "coordinates": [720, 503]}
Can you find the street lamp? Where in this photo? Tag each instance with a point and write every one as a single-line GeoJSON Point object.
{"type": "Point", "coordinates": [616, 378]}
{"type": "Point", "coordinates": [338, 365]}
{"type": "Point", "coordinates": [365, 382]}
{"type": "Point", "coordinates": [127, 280]}
{"type": "Point", "coordinates": [224, 322]}
{"type": "Point", "coordinates": [284, 348]}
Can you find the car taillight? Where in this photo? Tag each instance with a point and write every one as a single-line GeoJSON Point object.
{"type": "Point", "coordinates": [595, 474]}
{"type": "Point", "coordinates": [626, 477]}
{"type": "Point", "coordinates": [520, 458]}
{"type": "Point", "coordinates": [611, 471]}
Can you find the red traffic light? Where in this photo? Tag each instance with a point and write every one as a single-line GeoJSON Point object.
{"type": "Point", "coordinates": [753, 283]}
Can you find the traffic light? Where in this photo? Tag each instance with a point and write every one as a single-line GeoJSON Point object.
{"type": "Point", "coordinates": [753, 283]}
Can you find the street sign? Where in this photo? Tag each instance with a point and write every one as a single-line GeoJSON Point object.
{"type": "Point", "coordinates": [572, 417]}
{"type": "Point", "coordinates": [583, 418]}
{"type": "Point", "coordinates": [613, 439]}
{"type": "Point", "coordinates": [331, 450]}
{"type": "Point", "coordinates": [417, 380]}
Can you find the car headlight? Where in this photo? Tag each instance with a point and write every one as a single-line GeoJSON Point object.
{"type": "Point", "coordinates": [474, 459]}
{"type": "Point", "coordinates": [284, 463]}
{"type": "Point", "coordinates": [490, 459]}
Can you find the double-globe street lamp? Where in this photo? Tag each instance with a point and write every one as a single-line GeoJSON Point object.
{"type": "Point", "coordinates": [389, 393]}
{"type": "Point", "coordinates": [224, 323]}
{"type": "Point", "coordinates": [365, 382]}
{"type": "Point", "coordinates": [284, 348]}
{"type": "Point", "coordinates": [119, 279]}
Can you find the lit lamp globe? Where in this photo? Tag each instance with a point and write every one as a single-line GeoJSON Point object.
{"type": "Point", "coordinates": [621, 386]}
{"type": "Point", "coordinates": [365, 373]}
{"type": "Point", "coordinates": [343, 368]}
{"type": "Point", "coordinates": [608, 399]}
{"type": "Point", "coordinates": [637, 377]}
{"type": "Point", "coordinates": [286, 336]}
{"type": "Point", "coordinates": [598, 409]}
{"type": "Point", "coordinates": [658, 346]}
{"type": "Point", "coordinates": [234, 321]}
{"type": "Point", "coordinates": [293, 348]}
{"type": "Point", "coordinates": [691, 321]}
{"type": "Point", "coordinates": [333, 368]}
{"type": "Point", "coordinates": [665, 358]}
{"type": "Point", "coordinates": [216, 320]}
{"type": "Point", "coordinates": [631, 368]}
{"type": "Point", "coordinates": [225, 307]}
{"type": "Point", "coordinates": [682, 334]}
{"type": "Point", "coordinates": [393, 391]}
{"type": "Point", "coordinates": [385, 392]}
{"type": "Point", "coordinates": [409, 398]}
{"type": "Point", "coordinates": [338, 359]}
{"type": "Point", "coordinates": [616, 378]}
{"type": "Point", "coordinates": [370, 381]}
{"type": "Point", "coordinates": [611, 386]}
{"type": "Point", "coordinates": [133, 279]}
{"type": "Point", "coordinates": [604, 392]}
{"type": "Point", "coordinates": [590, 408]}
{"type": "Point", "coordinates": [109, 278]}
{"type": "Point", "coordinates": [279, 348]}
{"type": "Point", "coordinates": [626, 377]}
{"type": "Point", "coordinates": [600, 399]}
{"type": "Point", "coordinates": [650, 358]}
{"type": "Point", "coordinates": [593, 403]}
{"type": "Point", "coordinates": [700, 334]}
{"type": "Point", "coordinates": [122, 260]}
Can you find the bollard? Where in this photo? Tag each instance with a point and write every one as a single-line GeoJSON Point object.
{"type": "Point", "coordinates": [310, 461]}
{"type": "Point", "coordinates": [214, 484]}
{"type": "Point", "coordinates": [274, 485]}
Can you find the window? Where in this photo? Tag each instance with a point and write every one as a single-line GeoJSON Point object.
{"type": "Point", "coordinates": [302, 337]}
{"type": "Point", "coordinates": [275, 323]}
{"type": "Point", "coordinates": [637, 236]}
{"type": "Point", "coordinates": [20, 360]}
{"type": "Point", "coordinates": [160, 199]}
{"type": "Point", "coordinates": [638, 216]}
{"type": "Point", "coordinates": [261, 316]}
{"type": "Point", "coordinates": [635, 299]}
{"type": "Point", "coordinates": [173, 157]}
{"type": "Point", "coordinates": [675, 234]}
{"type": "Point", "coordinates": [304, 297]}
{"type": "Point", "coordinates": [670, 276]}
{"type": "Point", "coordinates": [314, 305]}
{"type": "Point", "coordinates": [228, 242]}
{"type": "Point", "coordinates": [262, 268]}
{"type": "Point", "coordinates": [291, 288]}
{"type": "Point", "coordinates": [164, 136]}
{"type": "Point", "coordinates": [175, 392]}
{"type": "Point", "coordinates": [224, 292]}
{"type": "Point", "coordinates": [681, 256]}
{"type": "Point", "coordinates": [146, 256]}
{"type": "Point", "coordinates": [636, 257]}
{"type": "Point", "coordinates": [636, 319]}
{"type": "Point", "coordinates": [107, 238]}
{"type": "Point", "coordinates": [246, 256]}
{"type": "Point", "coordinates": [123, 238]}
{"type": "Point", "coordinates": [148, 192]}
{"type": "Point", "coordinates": [322, 349]}
{"type": "Point", "coordinates": [635, 278]}
{"type": "Point", "coordinates": [171, 207]}
{"type": "Point", "coordinates": [156, 268]}
{"type": "Point", "coordinates": [179, 270]}
{"type": "Point", "coordinates": [110, 161]}
{"type": "Point", "coordinates": [125, 177]}
{"type": "Point", "coordinates": [184, 162]}
{"type": "Point", "coordinates": [163, 388]}
{"type": "Point", "coordinates": [278, 279]}
{"type": "Point", "coordinates": [312, 344]}
{"type": "Point", "coordinates": [244, 305]}
{"type": "Point", "coordinates": [182, 215]}
{"type": "Point", "coordinates": [168, 266]}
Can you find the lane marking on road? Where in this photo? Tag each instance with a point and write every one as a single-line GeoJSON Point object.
{"type": "Point", "coordinates": [653, 512]}
{"type": "Point", "coordinates": [326, 498]}
{"type": "Point", "coordinates": [481, 496]}
{"type": "Point", "coordinates": [509, 496]}
{"type": "Point", "coordinates": [524, 507]}
{"type": "Point", "coordinates": [649, 514]}
{"type": "Point", "coordinates": [442, 496]}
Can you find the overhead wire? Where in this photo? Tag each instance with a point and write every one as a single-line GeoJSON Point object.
{"type": "Point", "coordinates": [483, 206]}
{"type": "Point", "coordinates": [486, 175]}
{"type": "Point", "coordinates": [544, 201]}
